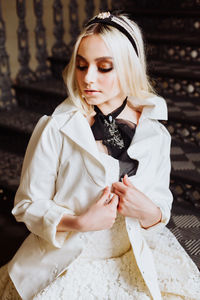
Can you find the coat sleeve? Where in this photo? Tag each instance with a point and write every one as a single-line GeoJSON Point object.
{"type": "Point", "coordinates": [160, 192]}
{"type": "Point", "coordinates": [34, 203]}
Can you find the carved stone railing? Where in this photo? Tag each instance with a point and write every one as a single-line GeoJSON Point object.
{"type": "Point", "coordinates": [25, 74]}
{"type": "Point", "coordinates": [89, 10]}
{"type": "Point", "coordinates": [42, 71]}
{"type": "Point", "coordinates": [170, 52]}
{"type": "Point", "coordinates": [59, 48]}
{"type": "Point", "coordinates": [74, 23]}
{"type": "Point", "coordinates": [104, 5]}
{"type": "Point", "coordinates": [6, 96]}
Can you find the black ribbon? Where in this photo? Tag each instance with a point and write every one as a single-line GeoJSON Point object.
{"type": "Point", "coordinates": [116, 135]}
{"type": "Point", "coordinates": [104, 127]}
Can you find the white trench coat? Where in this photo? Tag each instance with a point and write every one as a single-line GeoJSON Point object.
{"type": "Point", "coordinates": [62, 173]}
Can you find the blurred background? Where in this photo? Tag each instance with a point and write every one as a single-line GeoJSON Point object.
{"type": "Point", "coordinates": [36, 40]}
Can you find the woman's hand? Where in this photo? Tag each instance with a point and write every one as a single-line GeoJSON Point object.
{"type": "Point", "coordinates": [133, 203]}
{"type": "Point", "coordinates": [101, 215]}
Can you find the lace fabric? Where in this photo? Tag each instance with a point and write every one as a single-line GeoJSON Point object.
{"type": "Point", "coordinates": [107, 270]}
{"type": "Point", "coordinates": [118, 277]}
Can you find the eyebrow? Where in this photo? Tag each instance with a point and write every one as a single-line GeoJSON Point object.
{"type": "Point", "coordinates": [96, 59]}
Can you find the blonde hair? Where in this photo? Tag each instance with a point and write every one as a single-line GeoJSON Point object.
{"type": "Point", "coordinates": [130, 67]}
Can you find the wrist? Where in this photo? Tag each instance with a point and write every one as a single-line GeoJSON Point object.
{"type": "Point", "coordinates": [80, 223]}
{"type": "Point", "coordinates": [69, 223]}
{"type": "Point", "coordinates": [152, 218]}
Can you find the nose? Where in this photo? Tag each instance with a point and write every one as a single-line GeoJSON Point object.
{"type": "Point", "coordinates": [90, 75]}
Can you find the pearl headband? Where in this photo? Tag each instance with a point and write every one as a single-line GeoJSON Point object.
{"type": "Point", "coordinates": [117, 22]}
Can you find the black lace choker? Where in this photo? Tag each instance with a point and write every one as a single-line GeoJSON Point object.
{"type": "Point", "coordinates": [116, 134]}
{"type": "Point", "coordinates": [105, 127]}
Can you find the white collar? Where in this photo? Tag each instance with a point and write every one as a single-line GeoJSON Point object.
{"type": "Point", "coordinates": [153, 107]}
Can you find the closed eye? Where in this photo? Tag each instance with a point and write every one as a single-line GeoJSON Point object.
{"type": "Point", "coordinates": [81, 68]}
{"type": "Point", "coordinates": [104, 70]}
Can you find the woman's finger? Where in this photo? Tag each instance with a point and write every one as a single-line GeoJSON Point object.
{"type": "Point", "coordinates": [114, 201]}
{"type": "Point", "coordinates": [126, 181]}
{"type": "Point", "coordinates": [119, 186]}
{"type": "Point", "coordinates": [105, 195]}
{"type": "Point", "coordinates": [119, 194]}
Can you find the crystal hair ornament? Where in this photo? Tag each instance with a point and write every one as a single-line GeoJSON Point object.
{"type": "Point", "coordinates": [108, 19]}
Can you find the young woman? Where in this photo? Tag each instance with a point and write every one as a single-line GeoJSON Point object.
{"type": "Point", "coordinates": [94, 189]}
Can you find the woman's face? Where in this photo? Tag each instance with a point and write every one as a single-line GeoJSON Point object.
{"type": "Point", "coordinates": [96, 75]}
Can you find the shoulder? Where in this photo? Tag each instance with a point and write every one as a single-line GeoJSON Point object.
{"type": "Point", "coordinates": [63, 112]}
{"type": "Point", "coordinates": [59, 117]}
{"type": "Point", "coordinates": [160, 129]}
{"type": "Point", "coordinates": [164, 136]}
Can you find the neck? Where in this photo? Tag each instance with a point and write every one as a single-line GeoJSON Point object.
{"type": "Point", "coordinates": [110, 105]}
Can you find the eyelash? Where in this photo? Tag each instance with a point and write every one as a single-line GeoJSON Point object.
{"type": "Point", "coordinates": [102, 70]}
{"type": "Point", "coordinates": [105, 70]}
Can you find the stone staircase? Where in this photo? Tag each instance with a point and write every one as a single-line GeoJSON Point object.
{"type": "Point", "coordinates": [171, 32]}
{"type": "Point", "coordinates": [173, 46]}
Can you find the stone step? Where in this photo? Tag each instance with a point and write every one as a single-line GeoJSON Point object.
{"type": "Point", "coordinates": [42, 96]}
{"type": "Point", "coordinates": [23, 120]}
{"type": "Point", "coordinates": [173, 48]}
{"type": "Point", "coordinates": [163, 8]}
{"type": "Point", "coordinates": [10, 170]}
{"type": "Point", "coordinates": [185, 160]}
{"type": "Point", "coordinates": [172, 38]}
{"type": "Point", "coordinates": [164, 22]}
{"type": "Point", "coordinates": [185, 173]}
{"type": "Point", "coordinates": [16, 127]}
{"type": "Point", "coordinates": [58, 64]}
{"type": "Point", "coordinates": [176, 80]}
{"type": "Point", "coordinates": [184, 224]}
{"type": "Point", "coordinates": [170, 79]}
{"type": "Point", "coordinates": [12, 234]}
{"type": "Point", "coordinates": [183, 121]}
{"type": "Point", "coordinates": [174, 70]}
{"type": "Point", "coordinates": [184, 112]}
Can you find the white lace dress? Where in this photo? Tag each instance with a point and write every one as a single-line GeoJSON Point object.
{"type": "Point", "coordinates": [107, 270]}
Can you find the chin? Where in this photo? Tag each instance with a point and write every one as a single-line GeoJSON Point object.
{"type": "Point", "coordinates": [93, 101]}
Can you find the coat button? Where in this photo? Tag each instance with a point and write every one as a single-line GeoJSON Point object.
{"type": "Point", "coordinates": [129, 227]}
{"type": "Point", "coordinates": [55, 271]}
{"type": "Point", "coordinates": [82, 236]}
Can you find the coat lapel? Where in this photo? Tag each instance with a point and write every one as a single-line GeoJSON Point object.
{"type": "Point", "coordinates": [79, 131]}
{"type": "Point", "coordinates": [145, 136]}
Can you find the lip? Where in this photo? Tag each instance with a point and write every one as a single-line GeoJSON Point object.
{"type": "Point", "coordinates": [91, 92]}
